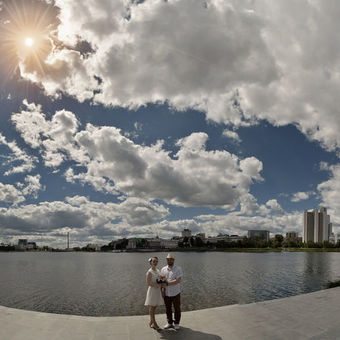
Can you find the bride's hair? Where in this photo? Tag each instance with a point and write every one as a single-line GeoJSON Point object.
{"type": "Point", "coordinates": [150, 259]}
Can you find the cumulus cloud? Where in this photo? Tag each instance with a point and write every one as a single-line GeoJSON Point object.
{"type": "Point", "coordinates": [193, 177]}
{"type": "Point", "coordinates": [231, 59]}
{"type": "Point", "coordinates": [275, 207]}
{"type": "Point", "coordinates": [10, 194]}
{"type": "Point", "coordinates": [237, 223]}
{"type": "Point", "coordinates": [113, 163]}
{"type": "Point", "coordinates": [52, 137]}
{"type": "Point", "coordinates": [330, 193]}
{"type": "Point", "coordinates": [33, 186]}
{"type": "Point", "coordinates": [300, 196]}
{"type": "Point", "coordinates": [15, 194]}
{"type": "Point", "coordinates": [81, 217]}
{"type": "Point", "coordinates": [232, 134]}
{"type": "Point", "coordinates": [17, 160]}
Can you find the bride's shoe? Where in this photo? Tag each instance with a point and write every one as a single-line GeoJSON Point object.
{"type": "Point", "coordinates": [155, 326]}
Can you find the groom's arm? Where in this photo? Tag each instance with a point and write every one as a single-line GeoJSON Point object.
{"type": "Point", "coordinates": [174, 282]}
{"type": "Point", "coordinates": [177, 280]}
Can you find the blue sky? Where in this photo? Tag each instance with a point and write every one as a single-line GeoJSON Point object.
{"type": "Point", "coordinates": [136, 120]}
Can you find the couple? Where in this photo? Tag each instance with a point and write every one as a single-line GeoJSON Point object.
{"type": "Point", "coordinates": [164, 284]}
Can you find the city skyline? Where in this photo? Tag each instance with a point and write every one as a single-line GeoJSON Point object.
{"type": "Point", "coordinates": [185, 233]}
{"type": "Point", "coordinates": [142, 118]}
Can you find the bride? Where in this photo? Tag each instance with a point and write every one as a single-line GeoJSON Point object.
{"type": "Point", "coordinates": [153, 296]}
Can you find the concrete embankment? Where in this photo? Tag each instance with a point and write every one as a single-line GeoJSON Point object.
{"type": "Point", "coordinates": [309, 316]}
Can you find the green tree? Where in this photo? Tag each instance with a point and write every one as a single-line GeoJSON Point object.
{"type": "Point", "coordinates": [278, 239]}
{"type": "Point", "coordinates": [186, 241]}
{"type": "Point", "coordinates": [199, 242]}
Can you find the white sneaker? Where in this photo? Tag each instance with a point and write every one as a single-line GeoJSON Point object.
{"type": "Point", "coordinates": [176, 326]}
{"type": "Point", "coordinates": [168, 325]}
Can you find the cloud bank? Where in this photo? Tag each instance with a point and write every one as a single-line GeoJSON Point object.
{"type": "Point", "coordinates": [113, 163]}
{"type": "Point", "coordinates": [237, 61]}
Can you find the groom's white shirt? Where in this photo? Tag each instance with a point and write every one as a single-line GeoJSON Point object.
{"type": "Point", "coordinates": [172, 274]}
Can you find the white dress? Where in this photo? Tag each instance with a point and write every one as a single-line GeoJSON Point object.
{"type": "Point", "coordinates": [154, 295]}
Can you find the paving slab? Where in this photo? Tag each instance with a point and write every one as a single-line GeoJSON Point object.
{"type": "Point", "coordinates": [309, 316]}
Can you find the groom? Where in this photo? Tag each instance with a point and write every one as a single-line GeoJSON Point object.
{"type": "Point", "coordinates": [172, 295]}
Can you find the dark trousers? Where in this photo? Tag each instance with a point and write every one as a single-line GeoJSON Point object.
{"type": "Point", "coordinates": [176, 301]}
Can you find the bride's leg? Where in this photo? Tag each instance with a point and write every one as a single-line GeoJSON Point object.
{"type": "Point", "coordinates": [152, 318]}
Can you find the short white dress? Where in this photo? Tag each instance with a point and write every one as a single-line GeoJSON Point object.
{"type": "Point", "coordinates": [154, 295]}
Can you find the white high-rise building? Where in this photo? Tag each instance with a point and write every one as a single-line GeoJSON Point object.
{"type": "Point", "coordinates": [316, 226]}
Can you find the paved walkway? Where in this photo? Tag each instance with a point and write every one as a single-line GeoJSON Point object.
{"type": "Point", "coordinates": [309, 316]}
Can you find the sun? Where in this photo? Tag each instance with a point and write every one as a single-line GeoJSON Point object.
{"type": "Point", "coordinates": [27, 29]}
{"type": "Point", "coordinates": [29, 42]}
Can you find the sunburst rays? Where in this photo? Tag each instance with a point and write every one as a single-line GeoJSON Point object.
{"type": "Point", "coordinates": [26, 36]}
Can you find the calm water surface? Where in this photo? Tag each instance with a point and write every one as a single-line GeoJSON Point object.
{"type": "Point", "coordinates": [107, 284]}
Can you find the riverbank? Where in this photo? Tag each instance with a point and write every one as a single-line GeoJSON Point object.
{"type": "Point", "coordinates": [191, 249]}
{"type": "Point", "coordinates": [309, 316]}
{"type": "Point", "coordinates": [257, 250]}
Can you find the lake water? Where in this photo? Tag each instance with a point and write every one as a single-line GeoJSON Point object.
{"type": "Point", "coordinates": [109, 284]}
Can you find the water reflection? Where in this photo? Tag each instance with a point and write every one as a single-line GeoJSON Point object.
{"type": "Point", "coordinates": [317, 270]}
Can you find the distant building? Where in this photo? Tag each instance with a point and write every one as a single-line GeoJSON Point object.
{"type": "Point", "coordinates": [22, 244]}
{"type": "Point", "coordinates": [31, 245]}
{"type": "Point", "coordinates": [235, 238]}
{"type": "Point", "coordinates": [292, 236]}
{"type": "Point", "coordinates": [225, 238]}
{"type": "Point", "coordinates": [261, 234]}
{"type": "Point", "coordinates": [154, 243]}
{"type": "Point", "coordinates": [215, 239]}
{"type": "Point", "coordinates": [316, 226]}
{"type": "Point", "coordinates": [169, 244]}
{"type": "Point", "coordinates": [94, 247]}
{"type": "Point", "coordinates": [132, 243]}
{"type": "Point", "coordinates": [186, 233]}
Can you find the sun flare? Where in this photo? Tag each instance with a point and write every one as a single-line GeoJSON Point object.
{"type": "Point", "coordinates": [29, 42]}
{"type": "Point", "coordinates": [26, 35]}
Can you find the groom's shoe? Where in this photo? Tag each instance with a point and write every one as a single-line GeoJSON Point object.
{"type": "Point", "coordinates": [168, 325]}
{"type": "Point", "coordinates": [176, 326]}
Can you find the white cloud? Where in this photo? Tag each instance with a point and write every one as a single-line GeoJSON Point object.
{"type": "Point", "coordinates": [10, 194]}
{"type": "Point", "coordinates": [33, 186]}
{"type": "Point", "coordinates": [193, 177]}
{"type": "Point", "coordinates": [84, 219]}
{"type": "Point", "coordinates": [15, 194]}
{"type": "Point", "coordinates": [53, 137]}
{"type": "Point", "coordinates": [300, 196]}
{"type": "Point", "coordinates": [275, 207]}
{"type": "Point", "coordinates": [26, 162]}
{"type": "Point", "coordinates": [324, 166]}
{"type": "Point", "coordinates": [231, 59]}
{"type": "Point", "coordinates": [237, 223]}
{"type": "Point", "coordinates": [252, 167]}
{"type": "Point", "coordinates": [330, 193]}
{"type": "Point", "coordinates": [232, 134]}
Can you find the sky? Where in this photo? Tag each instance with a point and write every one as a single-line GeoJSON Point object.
{"type": "Point", "coordinates": [140, 118]}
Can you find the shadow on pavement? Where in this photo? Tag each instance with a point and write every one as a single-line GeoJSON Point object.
{"type": "Point", "coordinates": [186, 333]}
